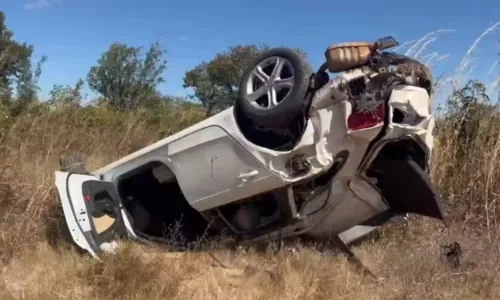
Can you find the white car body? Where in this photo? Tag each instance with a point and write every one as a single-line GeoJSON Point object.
{"type": "Point", "coordinates": [215, 165]}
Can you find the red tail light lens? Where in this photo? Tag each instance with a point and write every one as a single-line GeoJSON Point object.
{"type": "Point", "coordinates": [367, 118]}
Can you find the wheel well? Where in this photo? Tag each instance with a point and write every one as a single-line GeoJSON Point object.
{"type": "Point", "coordinates": [403, 164]}
{"type": "Point", "coordinates": [406, 146]}
{"type": "Point", "coordinates": [277, 140]}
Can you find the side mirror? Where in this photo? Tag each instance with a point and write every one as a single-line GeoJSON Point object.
{"type": "Point", "coordinates": [386, 43]}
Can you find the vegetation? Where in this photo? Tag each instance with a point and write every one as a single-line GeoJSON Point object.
{"type": "Point", "coordinates": [130, 113]}
{"type": "Point", "coordinates": [124, 79]}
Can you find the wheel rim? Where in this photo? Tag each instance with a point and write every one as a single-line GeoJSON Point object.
{"type": "Point", "coordinates": [270, 83]}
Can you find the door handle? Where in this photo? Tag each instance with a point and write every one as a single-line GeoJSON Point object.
{"type": "Point", "coordinates": [246, 176]}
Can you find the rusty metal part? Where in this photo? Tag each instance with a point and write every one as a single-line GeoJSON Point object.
{"type": "Point", "coordinates": [345, 56]}
{"type": "Point", "coordinates": [298, 165]}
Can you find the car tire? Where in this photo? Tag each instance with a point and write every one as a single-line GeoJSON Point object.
{"type": "Point", "coordinates": [289, 85]}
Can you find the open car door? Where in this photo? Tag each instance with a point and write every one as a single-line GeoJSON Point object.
{"type": "Point", "coordinates": [93, 211]}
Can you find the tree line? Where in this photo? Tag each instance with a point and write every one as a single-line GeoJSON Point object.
{"type": "Point", "coordinates": [127, 78]}
{"type": "Point", "coordinates": [124, 77]}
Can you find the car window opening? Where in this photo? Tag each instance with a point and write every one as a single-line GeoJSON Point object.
{"type": "Point", "coordinates": [156, 206]}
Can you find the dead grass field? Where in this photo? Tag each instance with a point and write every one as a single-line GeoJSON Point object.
{"type": "Point", "coordinates": [33, 265]}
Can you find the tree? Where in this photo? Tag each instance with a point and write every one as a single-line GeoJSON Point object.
{"type": "Point", "coordinates": [27, 85]}
{"type": "Point", "coordinates": [473, 92]}
{"type": "Point", "coordinates": [216, 82]}
{"type": "Point", "coordinates": [124, 77]}
{"type": "Point", "coordinates": [15, 64]}
{"type": "Point", "coordinates": [66, 96]}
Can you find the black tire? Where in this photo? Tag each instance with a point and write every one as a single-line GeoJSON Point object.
{"type": "Point", "coordinates": [73, 163]}
{"type": "Point", "coordinates": [283, 115]}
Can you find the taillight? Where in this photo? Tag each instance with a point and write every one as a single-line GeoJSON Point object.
{"type": "Point", "coordinates": [367, 118]}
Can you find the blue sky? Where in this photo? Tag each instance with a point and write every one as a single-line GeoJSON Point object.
{"type": "Point", "coordinates": [73, 34]}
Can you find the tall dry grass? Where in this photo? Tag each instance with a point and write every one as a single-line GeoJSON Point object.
{"type": "Point", "coordinates": [465, 167]}
{"type": "Point", "coordinates": [36, 266]}
{"type": "Point", "coordinates": [32, 144]}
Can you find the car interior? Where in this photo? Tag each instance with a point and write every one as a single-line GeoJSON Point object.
{"type": "Point", "coordinates": [157, 207]}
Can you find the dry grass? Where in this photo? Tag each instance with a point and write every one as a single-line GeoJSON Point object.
{"type": "Point", "coordinates": [35, 266]}
{"type": "Point", "coordinates": [410, 264]}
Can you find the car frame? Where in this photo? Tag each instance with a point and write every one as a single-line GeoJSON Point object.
{"type": "Point", "coordinates": [223, 179]}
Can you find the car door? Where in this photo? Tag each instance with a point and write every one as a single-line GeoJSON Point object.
{"type": "Point", "coordinates": [92, 210]}
{"type": "Point", "coordinates": [213, 169]}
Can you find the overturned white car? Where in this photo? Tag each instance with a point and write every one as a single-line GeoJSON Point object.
{"type": "Point", "coordinates": [298, 154]}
